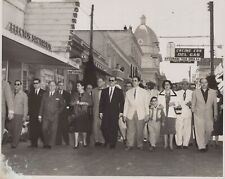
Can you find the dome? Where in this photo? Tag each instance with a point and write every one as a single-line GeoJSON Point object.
{"type": "Point", "coordinates": [146, 36]}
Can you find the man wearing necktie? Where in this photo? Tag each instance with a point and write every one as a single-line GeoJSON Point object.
{"type": "Point", "coordinates": [136, 113]}
{"type": "Point", "coordinates": [183, 121]}
{"type": "Point", "coordinates": [34, 104]}
{"type": "Point", "coordinates": [97, 133]}
{"type": "Point", "coordinates": [63, 128]}
{"type": "Point", "coordinates": [110, 110]}
{"type": "Point", "coordinates": [204, 107]}
{"type": "Point", "coordinates": [52, 105]}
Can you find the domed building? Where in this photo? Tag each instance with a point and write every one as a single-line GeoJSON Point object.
{"type": "Point", "coordinates": [149, 44]}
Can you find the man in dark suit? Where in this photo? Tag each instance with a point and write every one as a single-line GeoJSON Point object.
{"type": "Point", "coordinates": [110, 109]}
{"type": "Point", "coordinates": [62, 131]}
{"type": "Point", "coordinates": [52, 104]}
{"type": "Point", "coordinates": [34, 104]}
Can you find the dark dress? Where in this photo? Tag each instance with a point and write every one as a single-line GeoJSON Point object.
{"type": "Point", "coordinates": [218, 125]}
{"type": "Point", "coordinates": [169, 123]}
{"type": "Point", "coordinates": [81, 112]}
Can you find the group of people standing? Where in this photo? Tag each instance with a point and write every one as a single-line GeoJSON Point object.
{"type": "Point", "coordinates": [57, 115]}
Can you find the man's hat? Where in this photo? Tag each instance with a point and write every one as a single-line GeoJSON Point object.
{"type": "Point", "coordinates": [185, 80]}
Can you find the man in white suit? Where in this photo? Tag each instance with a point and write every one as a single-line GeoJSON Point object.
{"type": "Point", "coordinates": [183, 121]}
{"type": "Point", "coordinates": [136, 113]}
{"type": "Point", "coordinates": [204, 107]}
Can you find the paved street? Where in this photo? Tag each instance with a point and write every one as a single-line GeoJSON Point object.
{"type": "Point", "coordinates": [63, 160]}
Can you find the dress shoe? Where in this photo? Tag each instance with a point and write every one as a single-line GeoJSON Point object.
{"type": "Point", "coordinates": [105, 144]}
{"type": "Point", "coordinates": [202, 150]}
{"type": "Point", "coordinates": [85, 145]}
{"type": "Point", "coordinates": [76, 146]}
{"type": "Point", "coordinates": [32, 146]}
{"type": "Point", "coordinates": [185, 147]}
{"type": "Point", "coordinates": [128, 148]}
{"type": "Point", "coordinates": [140, 148]}
{"type": "Point", "coordinates": [151, 148]}
{"type": "Point", "coordinates": [45, 146]}
{"type": "Point", "coordinates": [179, 147]}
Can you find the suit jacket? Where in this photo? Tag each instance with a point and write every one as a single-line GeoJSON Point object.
{"type": "Point", "coordinates": [51, 106]}
{"type": "Point", "coordinates": [96, 94]}
{"type": "Point", "coordinates": [140, 103]}
{"type": "Point", "coordinates": [66, 96]}
{"type": "Point", "coordinates": [204, 111]}
{"type": "Point", "coordinates": [173, 98]}
{"type": "Point", "coordinates": [7, 98]}
{"type": "Point", "coordinates": [111, 109]}
{"type": "Point", "coordinates": [186, 111]}
{"type": "Point", "coordinates": [34, 103]}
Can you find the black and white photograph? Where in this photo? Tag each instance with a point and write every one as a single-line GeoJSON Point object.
{"type": "Point", "coordinates": [108, 88]}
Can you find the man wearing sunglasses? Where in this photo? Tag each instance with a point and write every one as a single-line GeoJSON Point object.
{"type": "Point", "coordinates": [111, 109]}
{"type": "Point", "coordinates": [20, 113]}
{"type": "Point", "coordinates": [136, 113]}
{"type": "Point", "coordinates": [34, 104]}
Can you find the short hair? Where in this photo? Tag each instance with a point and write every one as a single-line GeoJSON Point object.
{"type": "Point", "coordinates": [164, 82]}
{"type": "Point", "coordinates": [60, 82]}
{"type": "Point", "coordinates": [112, 77]}
{"type": "Point", "coordinates": [203, 79]}
{"type": "Point", "coordinates": [154, 97]}
{"type": "Point", "coordinates": [18, 81]}
{"type": "Point", "coordinates": [37, 79]}
{"type": "Point", "coordinates": [138, 78]}
{"type": "Point", "coordinates": [129, 83]}
{"type": "Point", "coordinates": [51, 82]}
{"type": "Point", "coordinates": [81, 83]}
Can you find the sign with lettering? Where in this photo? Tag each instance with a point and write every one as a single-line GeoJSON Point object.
{"type": "Point", "coordinates": [28, 36]}
{"type": "Point", "coordinates": [181, 60]}
{"type": "Point", "coordinates": [189, 52]}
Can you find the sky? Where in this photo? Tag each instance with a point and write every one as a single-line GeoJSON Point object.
{"type": "Point", "coordinates": [165, 18]}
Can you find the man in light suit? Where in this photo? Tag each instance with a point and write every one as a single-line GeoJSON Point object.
{"type": "Point", "coordinates": [52, 104]}
{"type": "Point", "coordinates": [7, 100]}
{"type": "Point", "coordinates": [136, 113]}
{"type": "Point", "coordinates": [183, 121]}
{"type": "Point", "coordinates": [110, 110]}
{"type": "Point", "coordinates": [96, 94]}
{"type": "Point", "coordinates": [204, 107]}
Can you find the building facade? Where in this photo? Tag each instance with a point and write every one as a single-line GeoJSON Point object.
{"type": "Point", "coordinates": [151, 58]}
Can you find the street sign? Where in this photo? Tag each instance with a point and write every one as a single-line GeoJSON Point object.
{"type": "Point", "coordinates": [189, 52]}
{"type": "Point", "coordinates": [181, 60]}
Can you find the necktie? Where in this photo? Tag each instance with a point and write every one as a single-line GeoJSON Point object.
{"type": "Point", "coordinates": [135, 93]}
{"type": "Point", "coordinates": [184, 95]}
{"type": "Point", "coordinates": [35, 91]}
{"type": "Point", "coordinates": [110, 94]}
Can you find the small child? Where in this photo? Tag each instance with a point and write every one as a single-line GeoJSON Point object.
{"type": "Point", "coordinates": [156, 116]}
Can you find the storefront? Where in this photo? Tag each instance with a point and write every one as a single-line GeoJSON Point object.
{"type": "Point", "coordinates": [24, 59]}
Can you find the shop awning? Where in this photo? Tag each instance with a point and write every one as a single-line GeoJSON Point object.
{"type": "Point", "coordinates": [21, 50]}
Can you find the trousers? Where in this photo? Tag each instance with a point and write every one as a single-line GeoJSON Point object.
{"type": "Point", "coordinates": [183, 130]}
{"type": "Point", "coordinates": [154, 131]}
{"type": "Point", "coordinates": [135, 131]}
{"type": "Point", "coordinates": [15, 129]}
{"type": "Point", "coordinates": [49, 131]}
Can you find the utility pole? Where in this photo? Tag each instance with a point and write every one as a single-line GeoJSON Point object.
{"type": "Point", "coordinates": [91, 32]}
{"type": "Point", "coordinates": [210, 9]}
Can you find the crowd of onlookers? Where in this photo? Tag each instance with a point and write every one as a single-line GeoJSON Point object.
{"type": "Point", "coordinates": [109, 113]}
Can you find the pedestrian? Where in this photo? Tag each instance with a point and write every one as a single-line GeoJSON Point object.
{"type": "Point", "coordinates": [110, 110]}
{"type": "Point", "coordinates": [7, 103]}
{"type": "Point", "coordinates": [80, 101]}
{"type": "Point", "coordinates": [218, 124]}
{"type": "Point", "coordinates": [52, 104]}
{"type": "Point", "coordinates": [20, 113]}
{"type": "Point", "coordinates": [34, 104]}
{"type": "Point", "coordinates": [183, 121]}
{"type": "Point", "coordinates": [156, 117]}
{"type": "Point", "coordinates": [63, 126]}
{"type": "Point", "coordinates": [204, 107]}
{"type": "Point", "coordinates": [96, 94]}
{"type": "Point", "coordinates": [136, 113]}
{"type": "Point", "coordinates": [89, 89]}
{"type": "Point", "coordinates": [168, 100]}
